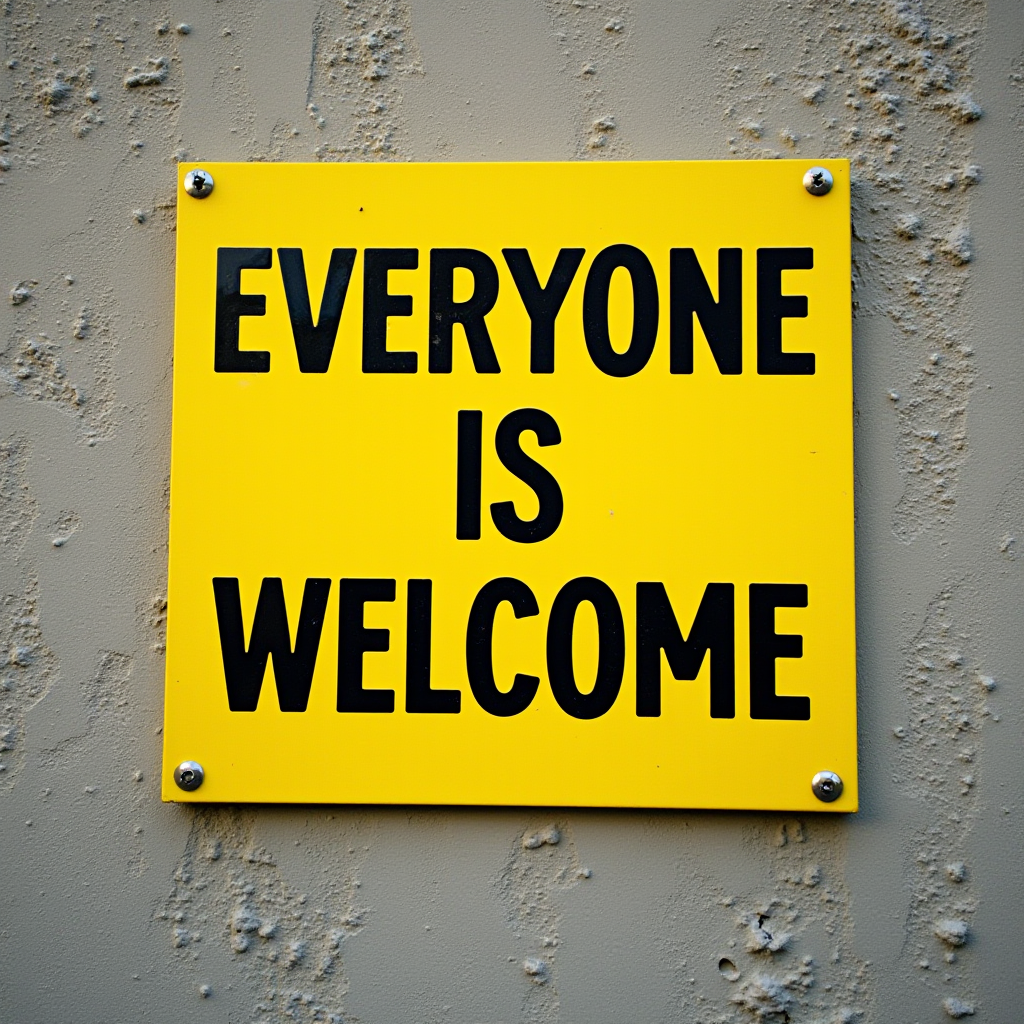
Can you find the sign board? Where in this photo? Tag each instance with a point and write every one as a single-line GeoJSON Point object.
{"type": "Point", "coordinates": [513, 484]}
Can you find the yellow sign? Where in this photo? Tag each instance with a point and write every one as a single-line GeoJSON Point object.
{"type": "Point", "coordinates": [513, 484]}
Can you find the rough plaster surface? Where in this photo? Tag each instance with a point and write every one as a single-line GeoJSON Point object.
{"type": "Point", "coordinates": [118, 908]}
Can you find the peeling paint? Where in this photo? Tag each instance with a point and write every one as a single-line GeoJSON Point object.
{"type": "Point", "coordinates": [542, 870]}
{"type": "Point", "coordinates": [887, 87]}
{"type": "Point", "coordinates": [28, 668]}
{"type": "Point", "coordinates": [229, 892]}
{"type": "Point", "coordinates": [360, 54]}
{"type": "Point", "coordinates": [18, 507]}
{"type": "Point", "coordinates": [589, 37]}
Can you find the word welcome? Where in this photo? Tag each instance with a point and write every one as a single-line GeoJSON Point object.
{"type": "Point", "coordinates": [711, 634]}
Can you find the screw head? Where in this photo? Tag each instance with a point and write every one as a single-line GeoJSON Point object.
{"type": "Point", "coordinates": [818, 181]}
{"type": "Point", "coordinates": [827, 786]}
{"type": "Point", "coordinates": [188, 775]}
{"type": "Point", "coordinates": [199, 183]}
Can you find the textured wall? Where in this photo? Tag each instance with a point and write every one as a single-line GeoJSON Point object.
{"type": "Point", "coordinates": [114, 907]}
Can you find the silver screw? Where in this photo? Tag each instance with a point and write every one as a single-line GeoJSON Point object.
{"type": "Point", "coordinates": [189, 775]}
{"type": "Point", "coordinates": [199, 183]}
{"type": "Point", "coordinates": [817, 181]}
{"type": "Point", "coordinates": [827, 786]}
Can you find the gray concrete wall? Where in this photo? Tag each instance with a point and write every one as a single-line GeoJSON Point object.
{"type": "Point", "coordinates": [115, 907]}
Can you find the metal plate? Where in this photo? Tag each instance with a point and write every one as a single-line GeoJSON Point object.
{"type": "Point", "coordinates": [670, 481]}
